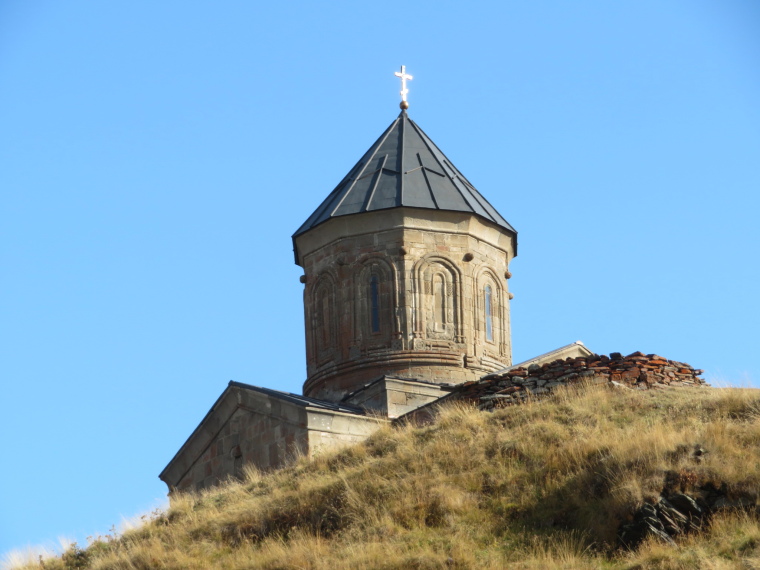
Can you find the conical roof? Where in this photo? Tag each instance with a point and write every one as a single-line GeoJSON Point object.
{"type": "Point", "coordinates": [403, 168]}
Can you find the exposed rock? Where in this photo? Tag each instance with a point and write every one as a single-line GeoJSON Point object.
{"type": "Point", "coordinates": [679, 513]}
{"type": "Point", "coordinates": [646, 522]}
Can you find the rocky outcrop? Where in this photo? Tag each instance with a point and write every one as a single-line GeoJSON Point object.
{"type": "Point", "coordinates": [676, 513]}
{"type": "Point", "coordinates": [637, 371]}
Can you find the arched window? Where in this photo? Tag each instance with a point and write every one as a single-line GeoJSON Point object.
{"type": "Point", "coordinates": [374, 304]}
{"type": "Point", "coordinates": [438, 313]}
{"type": "Point", "coordinates": [323, 318]}
{"type": "Point", "coordinates": [489, 313]}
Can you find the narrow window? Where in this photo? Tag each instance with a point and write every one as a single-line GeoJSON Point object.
{"type": "Point", "coordinates": [374, 295]}
{"type": "Point", "coordinates": [489, 318]}
{"type": "Point", "coordinates": [324, 315]}
{"type": "Point", "coordinates": [439, 301]}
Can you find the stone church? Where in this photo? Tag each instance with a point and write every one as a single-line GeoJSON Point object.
{"type": "Point", "coordinates": [405, 273]}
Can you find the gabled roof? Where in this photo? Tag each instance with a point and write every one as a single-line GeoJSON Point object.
{"type": "Point", "coordinates": [403, 168]}
{"type": "Point", "coordinates": [573, 349]}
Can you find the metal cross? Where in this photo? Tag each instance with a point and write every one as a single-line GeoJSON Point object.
{"type": "Point", "coordinates": [404, 76]}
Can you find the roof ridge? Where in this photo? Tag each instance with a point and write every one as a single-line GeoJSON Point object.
{"type": "Point", "coordinates": [459, 178]}
{"type": "Point", "coordinates": [428, 142]}
{"type": "Point", "coordinates": [373, 149]}
{"type": "Point", "coordinates": [400, 158]}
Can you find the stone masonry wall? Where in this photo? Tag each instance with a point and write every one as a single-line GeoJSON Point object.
{"type": "Point", "coordinates": [264, 428]}
{"type": "Point", "coordinates": [432, 271]}
{"type": "Point", "coordinates": [264, 440]}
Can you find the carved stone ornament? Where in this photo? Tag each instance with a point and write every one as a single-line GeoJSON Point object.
{"type": "Point", "coordinates": [447, 333]}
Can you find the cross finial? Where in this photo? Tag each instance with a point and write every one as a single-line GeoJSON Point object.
{"type": "Point", "coordinates": [404, 76]}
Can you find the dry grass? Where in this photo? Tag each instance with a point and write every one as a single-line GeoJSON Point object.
{"type": "Point", "coordinates": [543, 485]}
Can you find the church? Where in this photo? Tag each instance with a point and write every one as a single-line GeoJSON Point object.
{"type": "Point", "coordinates": [406, 296]}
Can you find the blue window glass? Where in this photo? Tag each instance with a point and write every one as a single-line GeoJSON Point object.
{"type": "Point", "coordinates": [489, 318]}
{"type": "Point", "coordinates": [374, 295]}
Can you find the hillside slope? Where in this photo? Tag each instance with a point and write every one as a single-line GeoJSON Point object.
{"type": "Point", "coordinates": [542, 485]}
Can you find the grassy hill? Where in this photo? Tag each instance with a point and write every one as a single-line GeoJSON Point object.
{"type": "Point", "coordinates": [542, 485]}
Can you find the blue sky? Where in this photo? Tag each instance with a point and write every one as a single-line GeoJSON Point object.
{"type": "Point", "coordinates": [155, 158]}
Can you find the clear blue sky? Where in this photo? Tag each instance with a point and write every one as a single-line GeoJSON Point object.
{"type": "Point", "coordinates": [155, 158]}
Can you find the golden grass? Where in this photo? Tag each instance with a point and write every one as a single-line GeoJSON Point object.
{"type": "Point", "coordinates": [542, 485]}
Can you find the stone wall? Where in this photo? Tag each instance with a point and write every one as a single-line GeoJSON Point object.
{"type": "Point", "coordinates": [426, 319]}
{"type": "Point", "coordinates": [265, 440]}
{"type": "Point", "coordinates": [637, 371]}
{"type": "Point", "coordinates": [393, 397]}
{"type": "Point", "coordinates": [264, 428]}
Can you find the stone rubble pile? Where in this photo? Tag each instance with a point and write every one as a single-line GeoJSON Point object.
{"type": "Point", "coordinates": [638, 371]}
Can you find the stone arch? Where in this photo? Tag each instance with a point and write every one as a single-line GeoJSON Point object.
{"type": "Point", "coordinates": [322, 318]}
{"type": "Point", "coordinates": [485, 279]}
{"type": "Point", "coordinates": [437, 299]}
{"type": "Point", "coordinates": [375, 300]}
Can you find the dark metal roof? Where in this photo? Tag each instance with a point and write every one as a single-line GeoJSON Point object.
{"type": "Point", "coordinates": [301, 400]}
{"type": "Point", "coordinates": [403, 168]}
